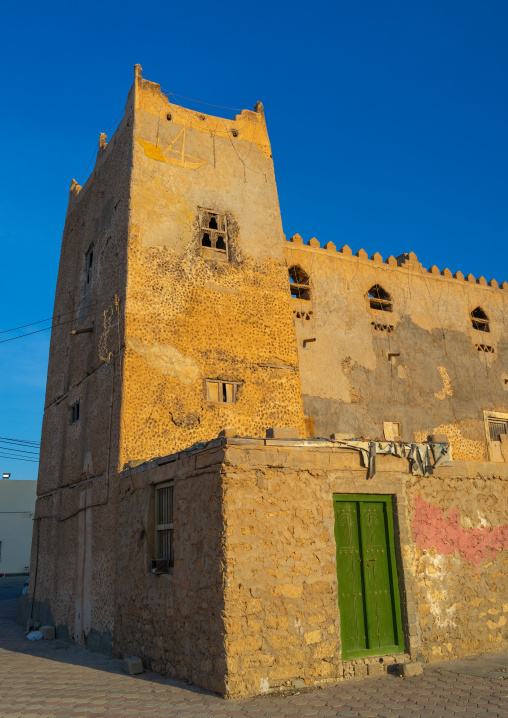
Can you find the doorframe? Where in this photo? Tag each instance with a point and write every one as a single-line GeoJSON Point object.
{"type": "Point", "coordinates": [394, 573]}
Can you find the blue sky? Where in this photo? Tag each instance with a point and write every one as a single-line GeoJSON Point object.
{"type": "Point", "coordinates": [387, 121]}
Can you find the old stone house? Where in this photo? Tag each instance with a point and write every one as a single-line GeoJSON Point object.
{"type": "Point", "coordinates": [245, 470]}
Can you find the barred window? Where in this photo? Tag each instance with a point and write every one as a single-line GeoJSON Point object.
{"type": "Point", "coordinates": [164, 522]}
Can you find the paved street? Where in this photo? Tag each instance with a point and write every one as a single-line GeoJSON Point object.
{"type": "Point", "coordinates": [54, 679]}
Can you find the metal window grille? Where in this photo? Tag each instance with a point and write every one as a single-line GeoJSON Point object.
{"type": "Point", "coordinates": [497, 427]}
{"type": "Point", "coordinates": [221, 391]}
{"type": "Point", "coordinates": [164, 522]}
{"type": "Point", "coordinates": [214, 232]}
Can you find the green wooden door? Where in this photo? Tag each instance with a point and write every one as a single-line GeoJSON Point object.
{"type": "Point", "coordinates": [367, 576]}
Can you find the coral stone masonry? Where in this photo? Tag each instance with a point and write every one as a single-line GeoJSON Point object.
{"type": "Point", "coordinates": [353, 521]}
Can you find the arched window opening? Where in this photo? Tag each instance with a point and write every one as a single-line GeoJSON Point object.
{"type": "Point", "coordinates": [206, 242]}
{"type": "Point", "coordinates": [299, 283]}
{"type": "Point", "coordinates": [221, 244]}
{"type": "Point", "coordinates": [380, 299]}
{"type": "Point", "coordinates": [212, 224]}
{"type": "Point", "coordinates": [480, 320]}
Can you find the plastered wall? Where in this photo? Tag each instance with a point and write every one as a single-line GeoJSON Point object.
{"type": "Point", "coordinates": [435, 380]}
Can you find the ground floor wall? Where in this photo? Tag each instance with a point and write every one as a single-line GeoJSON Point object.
{"type": "Point", "coordinates": [282, 622]}
{"type": "Point", "coordinates": [73, 564]}
{"type": "Point", "coordinates": [251, 604]}
{"type": "Point", "coordinates": [173, 621]}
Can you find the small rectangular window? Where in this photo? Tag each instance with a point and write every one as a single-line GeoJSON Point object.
{"type": "Point", "coordinates": [497, 427]}
{"type": "Point", "coordinates": [221, 391]}
{"type": "Point", "coordinates": [75, 413]}
{"type": "Point", "coordinates": [89, 263]}
{"type": "Point", "coordinates": [164, 525]}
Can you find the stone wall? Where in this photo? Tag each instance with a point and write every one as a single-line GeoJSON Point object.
{"type": "Point", "coordinates": [281, 589]}
{"type": "Point", "coordinates": [252, 607]}
{"type": "Point", "coordinates": [192, 317]}
{"type": "Point", "coordinates": [174, 622]}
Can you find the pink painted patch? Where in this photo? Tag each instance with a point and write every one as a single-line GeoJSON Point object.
{"type": "Point", "coordinates": [432, 529]}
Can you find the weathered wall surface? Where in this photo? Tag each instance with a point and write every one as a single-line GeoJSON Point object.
{"type": "Point", "coordinates": [435, 381]}
{"type": "Point", "coordinates": [459, 560]}
{"type": "Point", "coordinates": [73, 549]}
{"type": "Point", "coordinates": [281, 610]}
{"type": "Point", "coordinates": [189, 318]}
{"type": "Point", "coordinates": [174, 622]}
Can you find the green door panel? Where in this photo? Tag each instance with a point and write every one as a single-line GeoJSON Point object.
{"type": "Point", "coordinates": [351, 595]}
{"type": "Point", "coordinates": [367, 576]}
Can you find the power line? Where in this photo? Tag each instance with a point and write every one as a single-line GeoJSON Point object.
{"type": "Point", "coordinates": [17, 458]}
{"type": "Point", "coordinates": [55, 316]}
{"type": "Point", "coordinates": [74, 319]}
{"type": "Point", "coordinates": [20, 441]}
{"type": "Point", "coordinates": [222, 107]}
{"type": "Point", "coordinates": [18, 451]}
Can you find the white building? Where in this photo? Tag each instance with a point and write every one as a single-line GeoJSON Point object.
{"type": "Point", "coordinates": [17, 505]}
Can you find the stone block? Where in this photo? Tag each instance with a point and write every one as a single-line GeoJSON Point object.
{"type": "Point", "coordinates": [296, 239]}
{"type": "Point", "coordinates": [360, 670]}
{"type": "Point", "coordinates": [278, 432]}
{"type": "Point", "coordinates": [299, 683]}
{"type": "Point", "coordinates": [228, 433]}
{"type": "Point", "coordinates": [133, 665]}
{"type": "Point", "coordinates": [408, 670]}
{"type": "Point", "coordinates": [375, 669]}
{"type": "Point", "coordinates": [48, 632]}
{"type": "Point", "coordinates": [313, 242]}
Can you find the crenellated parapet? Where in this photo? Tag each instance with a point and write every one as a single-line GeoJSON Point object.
{"type": "Point", "coordinates": [407, 260]}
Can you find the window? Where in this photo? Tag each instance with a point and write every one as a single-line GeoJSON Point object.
{"type": "Point", "coordinates": [485, 348]}
{"type": "Point", "coordinates": [299, 283]}
{"type": "Point", "coordinates": [380, 299]}
{"type": "Point", "coordinates": [497, 427]}
{"type": "Point", "coordinates": [164, 527]}
{"type": "Point", "coordinates": [480, 320]}
{"type": "Point", "coordinates": [214, 234]}
{"type": "Point", "coordinates": [89, 263]}
{"type": "Point", "coordinates": [75, 413]}
{"type": "Point", "coordinates": [221, 391]}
